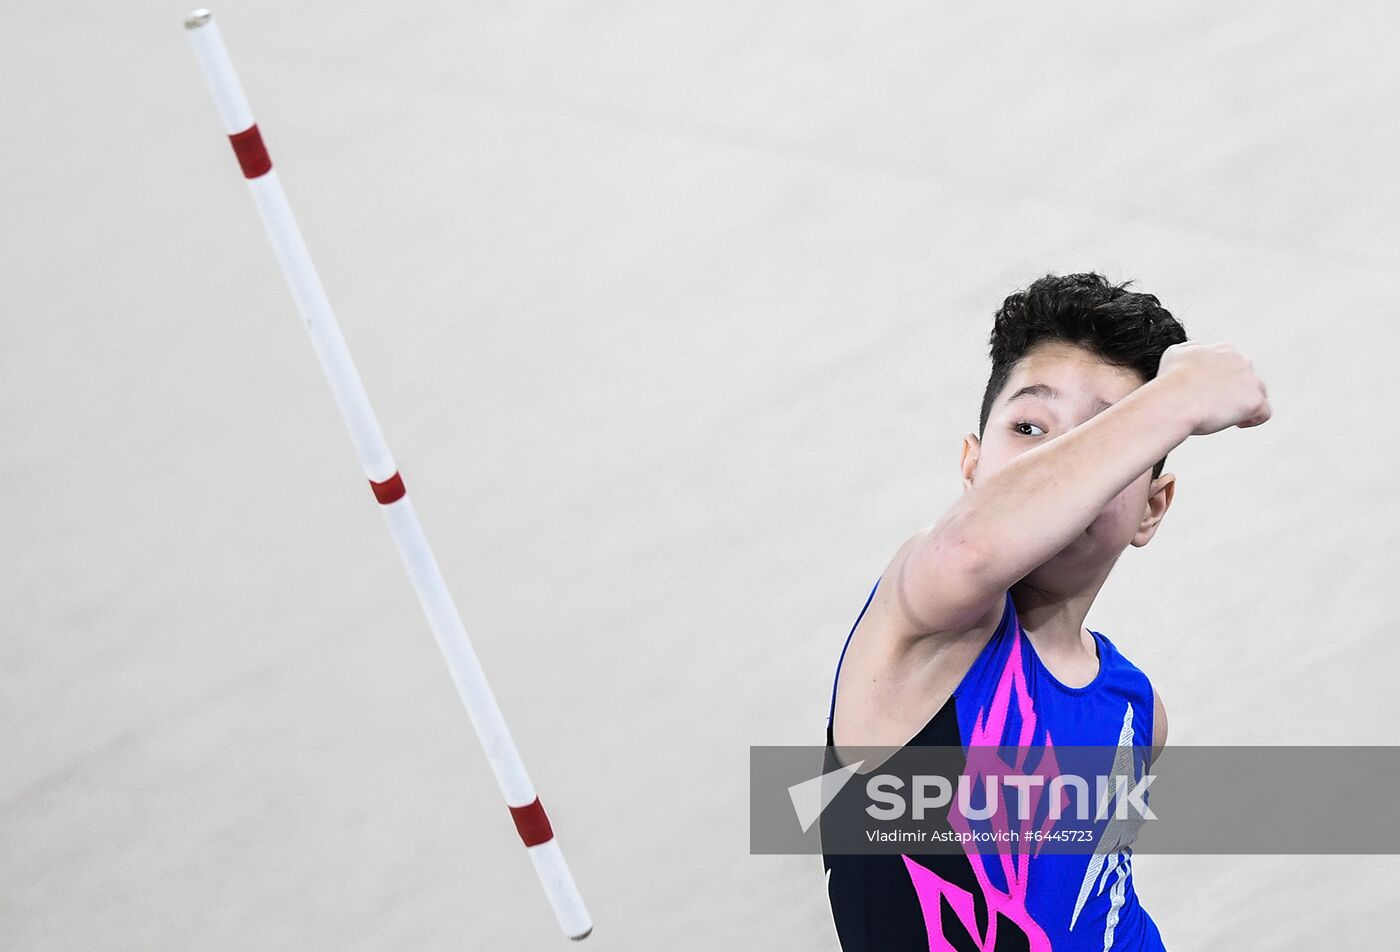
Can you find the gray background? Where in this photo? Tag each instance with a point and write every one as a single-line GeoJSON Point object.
{"type": "Point", "coordinates": [674, 316]}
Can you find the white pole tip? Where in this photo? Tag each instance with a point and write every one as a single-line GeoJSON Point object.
{"type": "Point", "coordinates": [197, 19]}
{"type": "Point", "coordinates": [582, 936]}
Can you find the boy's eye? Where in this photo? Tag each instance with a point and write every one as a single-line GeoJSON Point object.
{"type": "Point", "coordinates": [1017, 428]}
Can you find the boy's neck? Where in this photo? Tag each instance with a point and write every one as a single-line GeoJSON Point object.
{"type": "Point", "coordinates": [1054, 621]}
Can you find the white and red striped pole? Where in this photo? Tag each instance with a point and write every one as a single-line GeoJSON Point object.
{"type": "Point", "coordinates": [530, 819]}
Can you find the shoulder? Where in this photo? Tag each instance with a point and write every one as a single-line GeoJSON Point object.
{"type": "Point", "coordinates": [1159, 725]}
{"type": "Point", "coordinates": [1159, 711]}
{"type": "Point", "coordinates": [889, 685]}
{"type": "Point", "coordinates": [1122, 668]}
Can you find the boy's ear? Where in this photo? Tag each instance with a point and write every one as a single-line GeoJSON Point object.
{"type": "Point", "coordinates": [1159, 499]}
{"type": "Point", "coordinates": [971, 449]}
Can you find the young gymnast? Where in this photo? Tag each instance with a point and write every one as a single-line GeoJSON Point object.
{"type": "Point", "coordinates": [1091, 386]}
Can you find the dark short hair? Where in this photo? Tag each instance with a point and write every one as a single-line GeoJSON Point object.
{"type": "Point", "coordinates": [1125, 328]}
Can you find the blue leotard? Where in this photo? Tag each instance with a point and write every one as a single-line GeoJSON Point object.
{"type": "Point", "coordinates": [1048, 901]}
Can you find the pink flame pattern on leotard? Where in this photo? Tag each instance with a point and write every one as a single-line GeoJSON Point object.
{"type": "Point", "coordinates": [1005, 907]}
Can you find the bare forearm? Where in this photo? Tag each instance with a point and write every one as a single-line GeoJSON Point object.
{"type": "Point", "coordinates": [1016, 518]}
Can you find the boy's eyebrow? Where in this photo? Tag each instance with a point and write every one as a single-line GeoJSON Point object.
{"type": "Point", "coordinates": [1050, 393]}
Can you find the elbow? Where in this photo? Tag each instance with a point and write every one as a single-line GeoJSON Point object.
{"type": "Point", "coordinates": [952, 554]}
{"type": "Point", "coordinates": [945, 583]}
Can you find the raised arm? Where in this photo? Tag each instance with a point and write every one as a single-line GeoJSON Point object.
{"type": "Point", "coordinates": [954, 573]}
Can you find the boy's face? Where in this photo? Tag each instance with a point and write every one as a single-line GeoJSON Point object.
{"type": "Point", "coordinates": [1069, 384]}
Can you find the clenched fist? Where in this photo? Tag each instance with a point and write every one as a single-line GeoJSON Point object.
{"type": "Point", "coordinates": [1218, 384]}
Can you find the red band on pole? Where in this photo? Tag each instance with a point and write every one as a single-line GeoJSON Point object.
{"type": "Point", "coordinates": [252, 154]}
{"type": "Point", "coordinates": [391, 490]}
{"type": "Point", "coordinates": [532, 824]}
